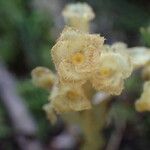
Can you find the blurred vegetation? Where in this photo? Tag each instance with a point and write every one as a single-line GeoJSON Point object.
{"type": "Point", "coordinates": [123, 18]}
{"type": "Point", "coordinates": [25, 41]}
{"type": "Point", "coordinates": [145, 32]}
{"type": "Point", "coordinates": [25, 37]}
{"type": "Point", "coordinates": [35, 99]}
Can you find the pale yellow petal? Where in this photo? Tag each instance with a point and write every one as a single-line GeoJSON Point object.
{"type": "Point", "coordinates": [68, 72]}
{"type": "Point", "coordinates": [143, 104]}
{"type": "Point", "coordinates": [69, 97]}
{"type": "Point", "coordinates": [78, 10]}
{"type": "Point", "coordinates": [113, 69]}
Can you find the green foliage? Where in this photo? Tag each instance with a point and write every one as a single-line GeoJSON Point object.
{"type": "Point", "coordinates": [134, 84]}
{"type": "Point", "coordinates": [124, 15]}
{"type": "Point", "coordinates": [10, 16]}
{"type": "Point", "coordinates": [145, 32]}
{"type": "Point", "coordinates": [35, 99]}
{"type": "Point", "coordinates": [25, 34]}
{"type": "Point", "coordinates": [5, 129]}
{"type": "Point", "coordinates": [120, 112]}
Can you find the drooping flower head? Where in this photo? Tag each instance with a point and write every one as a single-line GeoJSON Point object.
{"type": "Point", "coordinates": [43, 77]}
{"type": "Point", "coordinates": [143, 104]}
{"type": "Point", "coordinates": [76, 54]}
{"type": "Point", "coordinates": [78, 15]}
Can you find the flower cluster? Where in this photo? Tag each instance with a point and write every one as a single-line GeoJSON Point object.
{"type": "Point", "coordinates": [84, 65]}
{"type": "Point", "coordinates": [82, 58]}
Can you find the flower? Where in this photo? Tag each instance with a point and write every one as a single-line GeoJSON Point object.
{"type": "Point", "coordinates": [43, 77]}
{"type": "Point", "coordinates": [143, 104]}
{"type": "Point", "coordinates": [67, 97]}
{"type": "Point", "coordinates": [114, 67]}
{"type": "Point", "coordinates": [140, 56]}
{"type": "Point", "coordinates": [78, 15]}
{"type": "Point", "coordinates": [76, 54]}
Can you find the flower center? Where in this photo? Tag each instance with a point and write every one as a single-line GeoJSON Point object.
{"type": "Point", "coordinates": [105, 72]}
{"type": "Point", "coordinates": [72, 95]}
{"type": "Point", "coordinates": [77, 58]}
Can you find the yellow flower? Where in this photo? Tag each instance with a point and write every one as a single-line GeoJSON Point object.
{"type": "Point", "coordinates": [43, 77]}
{"type": "Point", "coordinates": [68, 97]}
{"type": "Point", "coordinates": [143, 104]}
{"type": "Point", "coordinates": [76, 54]}
{"type": "Point", "coordinates": [140, 56]}
{"type": "Point", "coordinates": [78, 15]}
{"type": "Point", "coordinates": [114, 67]}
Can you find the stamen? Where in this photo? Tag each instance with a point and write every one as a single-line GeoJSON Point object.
{"type": "Point", "coordinates": [77, 58]}
{"type": "Point", "coordinates": [105, 72]}
{"type": "Point", "coordinates": [72, 95]}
